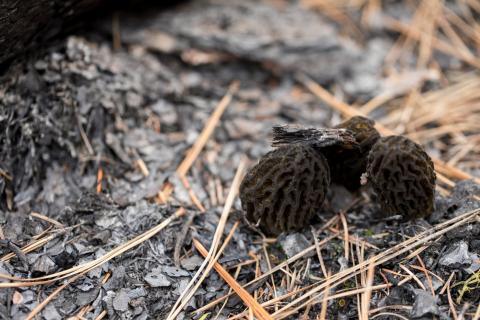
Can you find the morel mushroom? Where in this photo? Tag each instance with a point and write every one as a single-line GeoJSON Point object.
{"type": "Point", "coordinates": [348, 164]}
{"type": "Point", "coordinates": [402, 176]}
{"type": "Point", "coordinates": [285, 189]}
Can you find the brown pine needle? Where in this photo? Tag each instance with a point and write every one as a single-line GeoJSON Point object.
{"type": "Point", "coordinates": [116, 34]}
{"type": "Point", "coordinates": [143, 167]}
{"type": "Point", "coordinates": [24, 282]}
{"type": "Point", "coordinates": [376, 102]}
{"type": "Point", "coordinates": [319, 254]}
{"type": "Point", "coordinates": [345, 234]}
{"type": "Point", "coordinates": [368, 293]}
{"type": "Point", "coordinates": [391, 314]}
{"type": "Point", "coordinates": [450, 303]}
{"type": "Point", "coordinates": [438, 44]}
{"type": "Point", "coordinates": [314, 300]}
{"type": "Point", "coordinates": [45, 218]}
{"type": "Point", "coordinates": [383, 257]}
{"type": "Point", "coordinates": [269, 265]}
{"type": "Point", "coordinates": [429, 272]}
{"type": "Point", "coordinates": [349, 111]}
{"type": "Point", "coordinates": [344, 294]}
{"type": "Point", "coordinates": [193, 153]}
{"type": "Point", "coordinates": [207, 130]}
{"type": "Point", "coordinates": [257, 309]}
{"type": "Point", "coordinates": [207, 264]}
{"type": "Point", "coordinates": [445, 286]}
{"type": "Point", "coordinates": [477, 313]}
{"type": "Point", "coordinates": [427, 276]}
{"type": "Point", "coordinates": [101, 315]}
{"type": "Point", "coordinates": [323, 311]}
{"type": "Point", "coordinates": [192, 194]}
{"type": "Point", "coordinates": [414, 277]}
{"type": "Point", "coordinates": [30, 247]}
{"type": "Point", "coordinates": [266, 274]}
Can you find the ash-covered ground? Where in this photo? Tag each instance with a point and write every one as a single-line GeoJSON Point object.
{"type": "Point", "coordinates": [81, 107]}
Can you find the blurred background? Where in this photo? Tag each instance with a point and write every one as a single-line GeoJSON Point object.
{"type": "Point", "coordinates": [102, 101]}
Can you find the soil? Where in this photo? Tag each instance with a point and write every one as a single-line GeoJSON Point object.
{"type": "Point", "coordinates": [87, 106]}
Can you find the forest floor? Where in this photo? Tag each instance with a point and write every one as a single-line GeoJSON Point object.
{"type": "Point", "coordinates": [122, 149]}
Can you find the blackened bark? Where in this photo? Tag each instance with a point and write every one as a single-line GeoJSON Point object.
{"type": "Point", "coordinates": [25, 24]}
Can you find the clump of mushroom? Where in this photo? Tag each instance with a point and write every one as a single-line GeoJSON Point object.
{"type": "Point", "coordinates": [289, 184]}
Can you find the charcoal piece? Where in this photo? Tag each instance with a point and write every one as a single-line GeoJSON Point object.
{"type": "Point", "coordinates": [464, 197]}
{"type": "Point", "coordinates": [43, 266]}
{"type": "Point", "coordinates": [458, 256]}
{"type": "Point", "coordinates": [67, 258]}
{"type": "Point", "coordinates": [86, 297]}
{"type": "Point", "coordinates": [285, 189]}
{"type": "Point", "coordinates": [121, 300]}
{"type": "Point", "coordinates": [317, 138]}
{"type": "Point", "coordinates": [293, 244]}
{"type": "Point", "coordinates": [425, 305]}
{"type": "Point", "coordinates": [191, 263]}
{"type": "Point", "coordinates": [50, 312]}
{"type": "Point", "coordinates": [174, 271]}
{"type": "Point", "coordinates": [402, 176]}
{"type": "Point", "coordinates": [157, 279]}
{"type": "Point", "coordinates": [102, 237]}
{"type": "Point", "coordinates": [117, 280]}
{"type": "Point", "coordinates": [90, 202]}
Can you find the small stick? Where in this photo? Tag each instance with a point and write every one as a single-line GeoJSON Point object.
{"type": "Point", "coordinates": [84, 137]}
{"type": "Point", "coordinates": [99, 179]}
